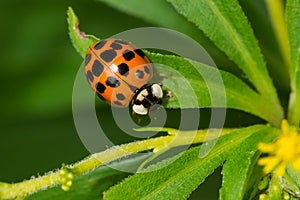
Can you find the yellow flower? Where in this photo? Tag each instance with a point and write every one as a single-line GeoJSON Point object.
{"type": "Point", "coordinates": [284, 151]}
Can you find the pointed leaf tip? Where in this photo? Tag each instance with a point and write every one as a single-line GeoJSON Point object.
{"type": "Point", "coordinates": [79, 39]}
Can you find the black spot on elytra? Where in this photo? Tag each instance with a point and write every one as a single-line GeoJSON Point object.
{"type": "Point", "coordinates": [97, 68]}
{"type": "Point", "coordinates": [146, 68]}
{"type": "Point", "coordinates": [112, 82]}
{"type": "Point", "coordinates": [121, 42]}
{"type": "Point", "coordinates": [100, 44]}
{"type": "Point", "coordinates": [120, 96]}
{"type": "Point", "coordinates": [116, 46]}
{"type": "Point", "coordinates": [140, 52]}
{"type": "Point", "coordinates": [108, 55]}
{"type": "Point", "coordinates": [123, 69]}
{"type": "Point", "coordinates": [118, 103]}
{"type": "Point", "coordinates": [89, 76]}
{"type": "Point", "coordinates": [132, 88]}
{"type": "Point", "coordinates": [139, 74]}
{"type": "Point", "coordinates": [100, 88]}
{"type": "Point", "coordinates": [87, 59]}
{"type": "Point", "coordinates": [128, 55]}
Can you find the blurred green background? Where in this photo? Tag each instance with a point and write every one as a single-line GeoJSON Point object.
{"type": "Point", "coordinates": [38, 68]}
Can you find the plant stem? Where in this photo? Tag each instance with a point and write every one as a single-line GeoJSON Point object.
{"type": "Point", "coordinates": [293, 19]}
{"type": "Point", "coordinates": [294, 102]}
{"type": "Point", "coordinates": [275, 188]}
{"type": "Point", "coordinates": [176, 138]}
{"type": "Point", "coordinates": [277, 16]}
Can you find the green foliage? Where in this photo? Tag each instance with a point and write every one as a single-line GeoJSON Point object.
{"type": "Point", "coordinates": [293, 25]}
{"type": "Point", "coordinates": [80, 40]}
{"type": "Point", "coordinates": [236, 39]}
{"type": "Point", "coordinates": [210, 91]}
{"type": "Point", "coordinates": [176, 177]}
{"type": "Point", "coordinates": [156, 10]}
{"type": "Point", "coordinates": [275, 190]}
{"type": "Point", "coordinates": [189, 169]}
{"type": "Point", "coordinates": [90, 186]}
{"type": "Point", "coordinates": [241, 161]}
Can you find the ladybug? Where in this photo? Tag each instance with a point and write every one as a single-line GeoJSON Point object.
{"type": "Point", "coordinates": [120, 73]}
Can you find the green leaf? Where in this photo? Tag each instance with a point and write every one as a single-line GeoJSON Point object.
{"type": "Point", "coordinates": [276, 12]}
{"type": "Point", "coordinates": [294, 104]}
{"type": "Point", "coordinates": [274, 191]}
{"type": "Point", "coordinates": [291, 181]}
{"type": "Point", "coordinates": [293, 25]}
{"type": "Point", "coordinates": [224, 22]}
{"type": "Point", "coordinates": [80, 40]}
{"type": "Point", "coordinates": [239, 166]}
{"type": "Point", "coordinates": [259, 19]}
{"type": "Point", "coordinates": [295, 176]}
{"type": "Point", "coordinates": [214, 90]}
{"type": "Point", "coordinates": [92, 184]}
{"type": "Point", "coordinates": [155, 10]}
{"type": "Point", "coordinates": [211, 87]}
{"type": "Point", "coordinates": [185, 173]}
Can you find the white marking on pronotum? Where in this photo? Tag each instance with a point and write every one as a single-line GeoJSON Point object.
{"type": "Point", "coordinates": [140, 109]}
{"type": "Point", "coordinates": [157, 91]}
{"type": "Point", "coordinates": [141, 96]}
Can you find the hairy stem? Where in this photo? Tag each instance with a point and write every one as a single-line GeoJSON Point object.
{"type": "Point", "coordinates": [174, 139]}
